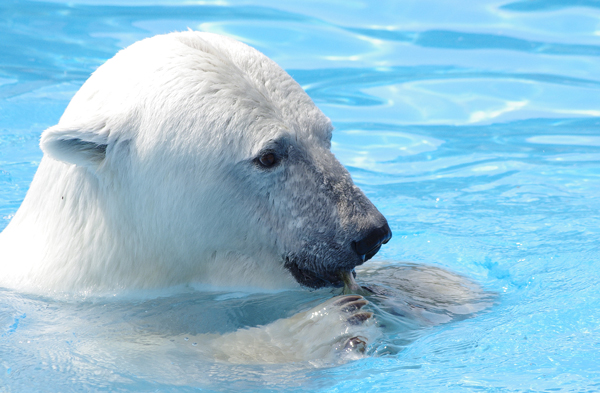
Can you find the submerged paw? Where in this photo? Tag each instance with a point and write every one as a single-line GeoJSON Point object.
{"type": "Point", "coordinates": [357, 327]}
{"type": "Point", "coordinates": [335, 331]}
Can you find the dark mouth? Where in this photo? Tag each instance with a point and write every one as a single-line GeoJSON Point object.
{"type": "Point", "coordinates": [313, 280]}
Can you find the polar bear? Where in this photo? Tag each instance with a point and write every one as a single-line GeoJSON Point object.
{"type": "Point", "coordinates": [191, 158]}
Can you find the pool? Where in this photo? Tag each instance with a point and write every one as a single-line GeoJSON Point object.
{"type": "Point", "coordinates": [473, 126]}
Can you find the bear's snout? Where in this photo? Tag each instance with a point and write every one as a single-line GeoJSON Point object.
{"type": "Point", "coordinates": [324, 267]}
{"type": "Point", "coordinates": [369, 245]}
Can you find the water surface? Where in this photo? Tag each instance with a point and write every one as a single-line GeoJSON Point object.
{"type": "Point", "coordinates": [473, 126]}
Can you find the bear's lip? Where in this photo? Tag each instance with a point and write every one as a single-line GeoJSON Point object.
{"type": "Point", "coordinates": [311, 279]}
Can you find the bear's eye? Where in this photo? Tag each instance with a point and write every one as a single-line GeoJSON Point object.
{"type": "Point", "coordinates": [267, 160]}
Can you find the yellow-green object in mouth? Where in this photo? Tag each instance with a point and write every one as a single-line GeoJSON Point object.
{"type": "Point", "coordinates": [350, 286]}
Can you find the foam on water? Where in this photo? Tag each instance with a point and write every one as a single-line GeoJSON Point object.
{"type": "Point", "coordinates": [473, 126]}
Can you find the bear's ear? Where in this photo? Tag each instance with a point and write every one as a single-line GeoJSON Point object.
{"type": "Point", "coordinates": [82, 146]}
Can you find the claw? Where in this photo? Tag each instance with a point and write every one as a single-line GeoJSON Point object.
{"type": "Point", "coordinates": [359, 318]}
{"type": "Point", "coordinates": [355, 344]}
{"type": "Point", "coordinates": [346, 299]}
{"type": "Point", "coordinates": [354, 306]}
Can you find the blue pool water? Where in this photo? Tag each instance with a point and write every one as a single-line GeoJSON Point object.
{"type": "Point", "coordinates": [473, 126]}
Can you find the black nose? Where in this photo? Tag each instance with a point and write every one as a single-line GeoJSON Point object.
{"type": "Point", "coordinates": [370, 244]}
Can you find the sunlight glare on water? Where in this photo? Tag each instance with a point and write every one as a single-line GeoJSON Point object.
{"type": "Point", "coordinates": [474, 127]}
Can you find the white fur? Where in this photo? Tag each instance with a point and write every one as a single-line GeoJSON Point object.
{"type": "Point", "coordinates": [176, 113]}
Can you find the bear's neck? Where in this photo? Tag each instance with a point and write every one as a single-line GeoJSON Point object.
{"type": "Point", "coordinates": [60, 237]}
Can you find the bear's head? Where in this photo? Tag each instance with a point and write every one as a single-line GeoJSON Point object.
{"type": "Point", "coordinates": [201, 151]}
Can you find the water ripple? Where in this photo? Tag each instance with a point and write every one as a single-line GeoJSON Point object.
{"type": "Point", "coordinates": [469, 41]}
{"type": "Point", "coordinates": [548, 5]}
